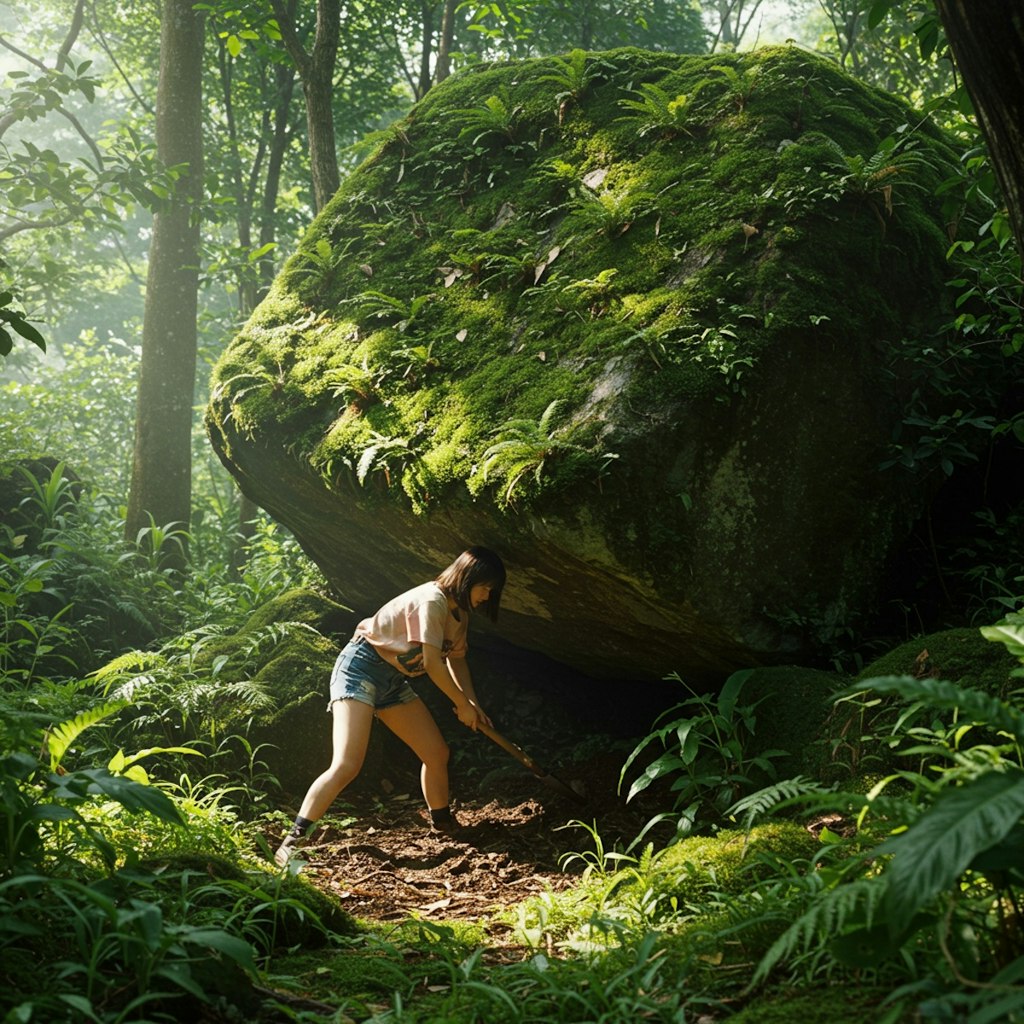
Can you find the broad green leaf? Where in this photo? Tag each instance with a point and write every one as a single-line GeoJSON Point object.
{"type": "Point", "coordinates": [940, 845]}
{"type": "Point", "coordinates": [230, 945]}
{"type": "Point", "coordinates": [1007, 633]}
{"type": "Point", "coordinates": [131, 795]}
{"type": "Point", "coordinates": [731, 691]}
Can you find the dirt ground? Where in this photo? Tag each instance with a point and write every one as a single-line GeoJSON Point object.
{"type": "Point", "coordinates": [388, 865]}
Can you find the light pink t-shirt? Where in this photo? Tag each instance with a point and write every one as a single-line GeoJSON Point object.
{"type": "Point", "coordinates": [419, 616]}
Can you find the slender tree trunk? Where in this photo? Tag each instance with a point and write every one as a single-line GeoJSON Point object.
{"type": "Point", "coordinates": [280, 139]}
{"type": "Point", "coordinates": [161, 483]}
{"type": "Point", "coordinates": [316, 72]}
{"type": "Point", "coordinates": [987, 40]}
{"type": "Point", "coordinates": [443, 67]}
{"type": "Point", "coordinates": [426, 47]}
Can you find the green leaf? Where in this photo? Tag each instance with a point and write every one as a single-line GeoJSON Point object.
{"type": "Point", "coordinates": [731, 691]}
{"type": "Point", "coordinates": [940, 845]}
{"type": "Point", "coordinates": [971, 705]}
{"type": "Point", "coordinates": [1008, 633]}
{"type": "Point", "coordinates": [131, 795]}
{"type": "Point", "coordinates": [231, 946]}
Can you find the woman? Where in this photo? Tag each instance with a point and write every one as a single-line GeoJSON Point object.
{"type": "Point", "coordinates": [420, 632]}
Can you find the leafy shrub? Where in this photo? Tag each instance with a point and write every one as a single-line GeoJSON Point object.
{"type": "Point", "coordinates": [705, 755]}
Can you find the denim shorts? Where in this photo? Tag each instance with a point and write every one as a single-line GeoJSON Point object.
{"type": "Point", "coordinates": [361, 674]}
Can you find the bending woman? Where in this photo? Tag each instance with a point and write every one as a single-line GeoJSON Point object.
{"type": "Point", "coordinates": [420, 632]}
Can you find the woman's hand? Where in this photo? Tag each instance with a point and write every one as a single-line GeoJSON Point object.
{"type": "Point", "coordinates": [472, 716]}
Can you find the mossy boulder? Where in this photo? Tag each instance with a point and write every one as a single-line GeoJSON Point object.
{"type": "Point", "coordinates": [861, 732]}
{"type": "Point", "coordinates": [629, 318]}
{"type": "Point", "coordinates": [793, 705]}
{"type": "Point", "coordinates": [962, 656]}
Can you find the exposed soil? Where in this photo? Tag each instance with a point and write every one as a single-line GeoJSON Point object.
{"type": "Point", "coordinates": [388, 865]}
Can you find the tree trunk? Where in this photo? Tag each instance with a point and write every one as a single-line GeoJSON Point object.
{"type": "Point", "coordinates": [280, 139]}
{"type": "Point", "coordinates": [426, 47]}
{"type": "Point", "coordinates": [443, 67]}
{"type": "Point", "coordinates": [987, 40]}
{"type": "Point", "coordinates": [161, 483]}
{"type": "Point", "coordinates": [316, 72]}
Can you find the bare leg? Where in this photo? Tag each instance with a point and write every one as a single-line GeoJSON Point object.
{"type": "Point", "coordinates": [350, 736]}
{"type": "Point", "coordinates": [413, 724]}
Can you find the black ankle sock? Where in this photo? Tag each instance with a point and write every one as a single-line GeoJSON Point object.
{"type": "Point", "coordinates": [301, 827]}
{"type": "Point", "coordinates": [440, 815]}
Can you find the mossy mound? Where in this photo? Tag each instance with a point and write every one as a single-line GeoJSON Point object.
{"type": "Point", "coordinates": [727, 862]}
{"type": "Point", "coordinates": [626, 317]}
{"type": "Point", "coordinates": [275, 911]}
{"type": "Point", "coordinates": [961, 656]}
{"type": "Point", "coordinates": [826, 1004]}
{"type": "Point", "coordinates": [793, 705]}
{"type": "Point", "coordinates": [282, 658]}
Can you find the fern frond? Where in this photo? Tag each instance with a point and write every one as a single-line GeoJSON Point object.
{"type": "Point", "coordinates": [829, 912]}
{"type": "Point", "coordinates": [131, 661]}
{"type": "Point", "coordinates": [971, 705]}
{"type": "Point", "coordinates": [60, 738]}
{"type": "Point", "coordinates": [773, 797]}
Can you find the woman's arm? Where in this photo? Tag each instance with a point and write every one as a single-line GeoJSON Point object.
{"type": "Point", "coordinates": [459, 668]}
{"type": "Point", "coordinates": [451, 676]}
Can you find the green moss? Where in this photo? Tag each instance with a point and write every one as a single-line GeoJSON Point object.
{"type": "Point", "coordinates": [961, 656]}
{"type": "Point", "coordinates": [657, 250]}
{"type": "Point", "coordinates": [301, 605]}
{"type": "Point", "coordinates": [726, 862]}
{"type": "Point", "coordinates": [852, 1003]}
{"type": "Point", "coordinates": [793, 706]}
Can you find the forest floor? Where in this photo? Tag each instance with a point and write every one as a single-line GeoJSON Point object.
{"type": "Point", "coordinates": [387, 864]}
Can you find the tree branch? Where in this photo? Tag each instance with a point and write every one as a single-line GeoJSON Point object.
{"type": "Point", "coordinates": [97, 34]}
{"type": "Point", "coordinates": [72, 37]}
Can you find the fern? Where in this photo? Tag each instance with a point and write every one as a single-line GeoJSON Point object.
{"type": "Point", "coordinates": [495, 116]}
{"type": "Point", "coordinates": [655, 109]}
{"type": "Point", "coordinates": [830, 912]}
{"type": "Point", "coordinates": [60, 738]}
{"type": "Point", "coordinates": [524, 447]}
{"type": "Point", "coordinates": [970, 705]}
{"type": "Point", "coordinates": [935, 850]}
{"type": "Point", "coordinates": [772, 797]}
{"type": "Point", "coordinates": [132, 662]}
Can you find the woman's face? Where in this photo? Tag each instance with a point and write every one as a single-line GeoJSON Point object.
{"type": "Point", "coordinates": [479, 594]}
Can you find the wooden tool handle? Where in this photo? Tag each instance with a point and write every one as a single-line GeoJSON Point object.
{"type": "Point", "coordinates": [518, 753]}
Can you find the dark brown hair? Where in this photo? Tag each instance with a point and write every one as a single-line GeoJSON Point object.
{"type": "Point", "coordinates": [474, 566]}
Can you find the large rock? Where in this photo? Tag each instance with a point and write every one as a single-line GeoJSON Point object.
{"type": "Point", "coordinates": [706, 261]}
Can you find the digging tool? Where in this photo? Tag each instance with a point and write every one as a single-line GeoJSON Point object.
{"type": "Point", "coordinates": [524, 759]}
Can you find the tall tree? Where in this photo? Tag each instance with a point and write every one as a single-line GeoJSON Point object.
{"type": "Point", "coordinates": [161, 483]}
{"type": "Point", "coordinates": [316, 72]}
{"type": "Point", "coordinates": [987, 40]}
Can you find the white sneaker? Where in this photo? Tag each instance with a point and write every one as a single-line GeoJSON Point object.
{"type": "Point", "coordinates": [285, 852]}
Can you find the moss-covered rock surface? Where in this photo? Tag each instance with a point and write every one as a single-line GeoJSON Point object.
{"type": "Point", "coordinates": [626, 317]}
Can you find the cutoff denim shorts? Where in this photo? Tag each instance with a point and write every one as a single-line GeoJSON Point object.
{"type": "Point", "coordinates": [361, 674]}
